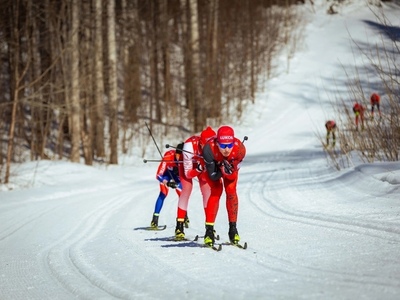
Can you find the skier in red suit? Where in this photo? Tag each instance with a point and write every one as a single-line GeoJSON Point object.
{"type": "Point", "coordinates": [168, 177]}
{"type": "Point", "coordinates": [375, 101]}
{"type": "Point", "coordinates": [223, 156]}
{"type": "Point", "coordinates": [330, 128]}
{"type": "Point", "coordinates": [192, 167]}
{"type": "Point", "coordinates": [359, 110]}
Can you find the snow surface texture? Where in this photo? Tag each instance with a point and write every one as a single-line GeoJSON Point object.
{"type": "Point", "coordinates": [70, 231]}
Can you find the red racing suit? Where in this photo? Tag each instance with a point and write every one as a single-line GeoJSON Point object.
{"type": "Point", "coordinates": [358, 110]}
{"type": "Point", "coordinates": [375, 99]}
{"type": "Point", "coordinates": [222, 172]}
{"type": "Point", "coordinates": [192, 167]}
{"type": "Point", "coordinates": [168, 170]}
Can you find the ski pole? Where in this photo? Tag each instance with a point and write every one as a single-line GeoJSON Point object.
{"type": "Point", "coordinates": [151, 134]}
{"type": "Point", "coordinates": [170, 146]}
{"type": "Point", "coordinates": [160, 160]}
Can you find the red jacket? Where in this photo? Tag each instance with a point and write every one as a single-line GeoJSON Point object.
{"type": "Point", "coordinates": [375, 99]}
{"type": "Point", "coordinates": [219, 166]}
{"type": "Point", "coordinates": [330, 125]}
{"type": "Point", "coordinates": [192, 157]}
{"type": "Point", "coordinates": [168, 168]}
{"type": "Point", "coordinates": [358, 108]}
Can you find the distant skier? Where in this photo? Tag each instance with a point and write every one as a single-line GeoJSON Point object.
{"type": "Point", "coordinates": [359, 110]}
{"type": "Point", "coordinates": [192, 167]}
{"type": "Point", "coordinates": [168, 177]}
{"type": "Point", "coordinates": [375, 101]}
{"type": "Point", "coordinates": [330, 128]}
{"type": "Point", "coordinates": [223, 156]}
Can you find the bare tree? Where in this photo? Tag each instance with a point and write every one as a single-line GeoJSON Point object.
{"type": "Point", "coordinates": [113, 93]}
{"type": "Point", "coordinates": [154, 61]}
{"type": "Point", "coordinates": [213, 83]}
{"type": "Point", "coordinates": [17, 76]}
{"type": "Point", "coordinates": [197, 109]}
{"type": "Point", "coordinates": [75, 113]}
{"type": "Point", "coordinates": [86, 81]}
{"type": "Point", "coordinates": [16, 79]}
{"type": "Point", "coordinates": [166, 56]}
{"type": "Point", "coordinates": [182, 64]}
{"type": "Point", "coordinates": [98, 119]}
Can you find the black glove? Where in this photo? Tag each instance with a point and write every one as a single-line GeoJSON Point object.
{"type": "Point", "coordinates": [228, 168]}
{"type": "Point", "coordinates": [172, 184]}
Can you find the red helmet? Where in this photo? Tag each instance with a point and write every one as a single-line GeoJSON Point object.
{"type": "Point", "coordinates": [206, 135]}
{"type": "Point", "coordinates": [225, 135]}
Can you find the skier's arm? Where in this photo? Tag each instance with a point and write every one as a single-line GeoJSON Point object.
{"type": "Point", "coordinates": [188, 156]}
{"type": "Point", "coordinates": [213, 170]}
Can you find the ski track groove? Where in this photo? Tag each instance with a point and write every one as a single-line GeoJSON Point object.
{"type": "Point", "coordinates": [272, 195]}
{"type": "Point", "coordinates": [15, 226]}
{"type": "Point", "coordinates": [66, 262]}
{"type": "Point", "coordinates": [263, 190]}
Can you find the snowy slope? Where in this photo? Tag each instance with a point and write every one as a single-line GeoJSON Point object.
{"type": "Point", "coordinates": [70, 231]}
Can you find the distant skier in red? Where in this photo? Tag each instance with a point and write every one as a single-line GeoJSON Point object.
{"type": "Point", "coordinates": [359, 110]}
{"type": "Point", "coordinates": [330, 128]}
{"type": "Point", "coordinates": [375, 101]}
{"type": "Point", "coordinates": [223, 156]}
{"type": "Point", "coordinates": [168, 177]}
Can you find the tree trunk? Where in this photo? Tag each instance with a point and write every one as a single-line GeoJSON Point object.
{"type": "Point", "coordinates": [166, 61]}
{"type": "Point", "coordinates": [15, 81]}
{"type": "Point", "coordinates": [98, 120]}
{"type": "Point", "coordinates": [113, 93]}
{"type": "Point", "coordinates": [132, 80]}
{"type": "Point", "coordinates": [86, 81]}
{"type": "Point", "coordinates": [75, 113]}
{"type": "Point", "coordinates": [155, 82]}
{"type": "Point", "coordinates": [197, 109]}
{"type": "Point", "coordinates": [214, 83]}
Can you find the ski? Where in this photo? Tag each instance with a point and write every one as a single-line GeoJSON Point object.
{"type": "Point", "coordinates": [240, 246]}
{"type": "Point", "coordinates": [215, 247]}
{"type": "Point", "coordinates": [202, 237]}
{"type": "Point", "coordinates": [158, 228]}
{"type": "Point", "coordinates": [174, 239]}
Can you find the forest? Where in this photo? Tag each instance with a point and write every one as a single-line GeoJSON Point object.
{"type": "Point", "coordinates": [80, 79]}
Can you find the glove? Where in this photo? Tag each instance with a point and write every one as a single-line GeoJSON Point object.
{"type": "Point", "coordinates": [172, 184]}
{"type": "Point", "coordinates": [227, 167]}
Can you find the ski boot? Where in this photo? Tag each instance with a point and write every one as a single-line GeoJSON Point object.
{"type": "Point", "coordinates": [209, 238]}
{"type": "Point", "coordinates": [186, 221]}
{"type": "Point", "coordinates": [154, 222]}
{"type": "Point", "coordinates": [179, 233]}
{"type": "Point", "coordinates": [233, 233]}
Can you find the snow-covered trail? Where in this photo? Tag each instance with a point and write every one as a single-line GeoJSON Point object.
{"type": "Point", "coordinates": [310, 233]}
